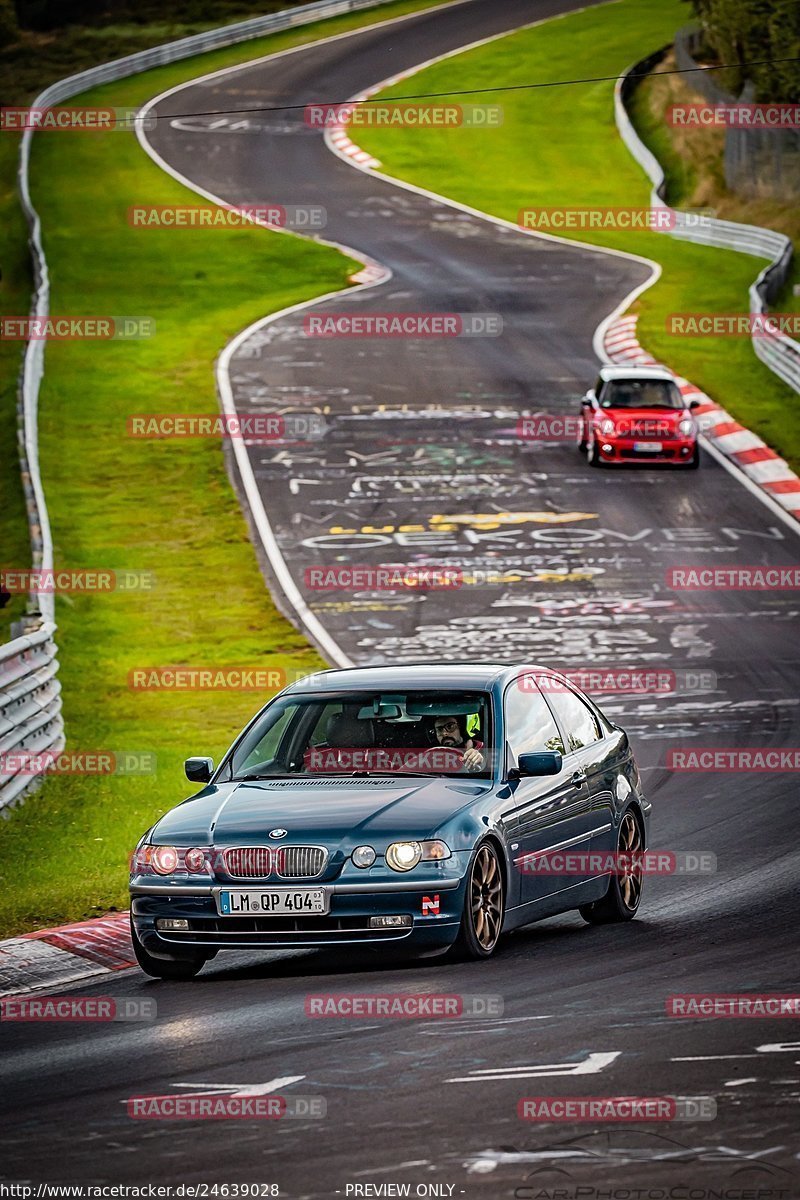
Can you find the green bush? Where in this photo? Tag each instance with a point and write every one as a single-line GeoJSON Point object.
{"type": "Point", "coordinates": [741, 31]}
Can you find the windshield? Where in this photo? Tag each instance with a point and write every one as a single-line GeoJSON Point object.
{"type": "Point", "coordinates": [641, 393]}
{"type": "Point", "coordinates": [368, 733]}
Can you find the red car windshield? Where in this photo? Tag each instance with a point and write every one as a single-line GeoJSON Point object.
{"type": "Point", "coordinates": [641, 393]}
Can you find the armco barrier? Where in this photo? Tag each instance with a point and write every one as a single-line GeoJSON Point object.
{"type": "Point", "coordinates": [30, 709]}
{"type": "Point", "coordinates": [30, 705]}
{"type": "Point", "coordinates": [780, 353]}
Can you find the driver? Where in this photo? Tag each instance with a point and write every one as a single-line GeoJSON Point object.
{"type": "Point", "coordinates": [452, 732]}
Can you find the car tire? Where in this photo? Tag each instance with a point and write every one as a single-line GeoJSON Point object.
{"type": "Point", "coordinates": [592, 454]}
{"type": "Point", "coordinates": [484, 906]}
{"type": "Point", "coordinates": [166, 968]}
{"type": "Point", "coordinates": [694, 462]}
{"type": "Point", "coordinates": [621, 901]}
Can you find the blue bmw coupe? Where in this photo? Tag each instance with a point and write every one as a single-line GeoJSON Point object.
{"type": "Point", "coordinates": [437, 806]}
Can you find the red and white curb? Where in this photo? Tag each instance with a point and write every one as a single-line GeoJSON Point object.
{"type": "Point", "coordinates": [761, 465]}
{"type": "Point", "coordinates": [51, 958]}
{"type": "Point", "coordinates": [371, 272]}
{"type": "Point", "coordinates": [337, 136]}
{"type": "Point", "coordinates": [340, 138]}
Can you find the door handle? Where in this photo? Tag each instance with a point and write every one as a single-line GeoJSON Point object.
{"type": "Point", "coordinates": [577, 778]}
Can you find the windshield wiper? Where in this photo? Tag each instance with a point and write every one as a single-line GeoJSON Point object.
{"type": "Point", "coordinates": [248, 778]}
{"type": "Point", "coordinates": [383, 774]}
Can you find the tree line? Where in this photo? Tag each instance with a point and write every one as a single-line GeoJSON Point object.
{"type": "Point", "coordinates": [741, 31]}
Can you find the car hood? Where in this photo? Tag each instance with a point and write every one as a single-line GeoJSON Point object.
{"type": "Point", "coordinates": [669, 416]}
{"type": "Point", "coordinates": [332, 813]}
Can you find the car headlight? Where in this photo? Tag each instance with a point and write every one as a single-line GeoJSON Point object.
{"type": "Point", "coordinates": [363, 856]}
{"type": "Point", "coordinates": [404, 856]}
{"type": "Point", "coordinates": [195, 860]}
{"type": "Point", "coordinates": [172, 860]}
{"type": "Point", "coordinates": [607, 427]}
{"type": "Point", "coordinates": [164, 859]}
{"type": "Point", "coordinates": [686, 427]}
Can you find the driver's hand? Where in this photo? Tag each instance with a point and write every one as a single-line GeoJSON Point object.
{"type": "Point", "coordinates": [473, 760]}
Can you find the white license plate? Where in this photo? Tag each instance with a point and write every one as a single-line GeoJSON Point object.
{"type": "Point", "coordinates": [648, 447]}
{"type": "Point", "coordinates": [294, 902]}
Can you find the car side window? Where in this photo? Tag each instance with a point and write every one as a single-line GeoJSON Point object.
{"type": "Point", "coordinates": [577, 719]}
{"type": "Point", "coordinates": [598, 387]}
{"type": "Point", "coordinates": [529, 723]}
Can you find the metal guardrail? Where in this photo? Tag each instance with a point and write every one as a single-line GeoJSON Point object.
{"type": "Point", "coordinates": [30, 703]}
{"type": "Point", "coordinates": [777, 351]}
{"type": "Point", "coordinates": [30, 710]}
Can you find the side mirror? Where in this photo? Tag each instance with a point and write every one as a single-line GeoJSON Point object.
{"type": "Point", "coordinates": [547, 762]}
{"type": "Point", "coordinates": [694, 404]}
{"type": "Point", "coordinates": [588, 400]}
{"type": "Point", "coordinates": [199, 770]}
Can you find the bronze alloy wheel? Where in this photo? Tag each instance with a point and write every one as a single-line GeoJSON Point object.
{"type": "Point", "coordinates": [630, 878]}
{"type": "Point", "coordinates": [484, 907]}
{"type": "Point", "coordinates": [486, 898]}
{"type": "Point", "coordinates": [621, 901]}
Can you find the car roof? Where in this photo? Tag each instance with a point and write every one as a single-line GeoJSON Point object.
{"type": "Point", "coordinates": [610, 371]}
{"type": "Point", "coordinates": [413, 677]}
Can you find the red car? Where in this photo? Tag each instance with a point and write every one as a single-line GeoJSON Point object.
{"type": "Point", "coordinates": [637, 414]}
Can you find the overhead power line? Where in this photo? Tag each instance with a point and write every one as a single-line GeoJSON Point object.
{"type": "Point", "coordinates": [512, 87]}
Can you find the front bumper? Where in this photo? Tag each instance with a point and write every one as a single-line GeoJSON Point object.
{"type": "Point", "coordinates": [434, 905]}
{"type": "Point", "coordinates": [623, 450]}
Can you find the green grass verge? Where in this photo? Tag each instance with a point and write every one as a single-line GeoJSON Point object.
{"type": "Point", "coordinates": [165, 507]}
{"type": "Point", "coordinates": [559, 147]}
{"type": "Point", "coordinates": [15, 287]}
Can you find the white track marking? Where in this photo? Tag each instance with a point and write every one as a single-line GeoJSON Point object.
{"type": "Point", "coordinates": [591, 1065]}
{"type": "Point", "coordinates": [711, 1057]}
{"type": "Point", "coordinates": [243, 1089]}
